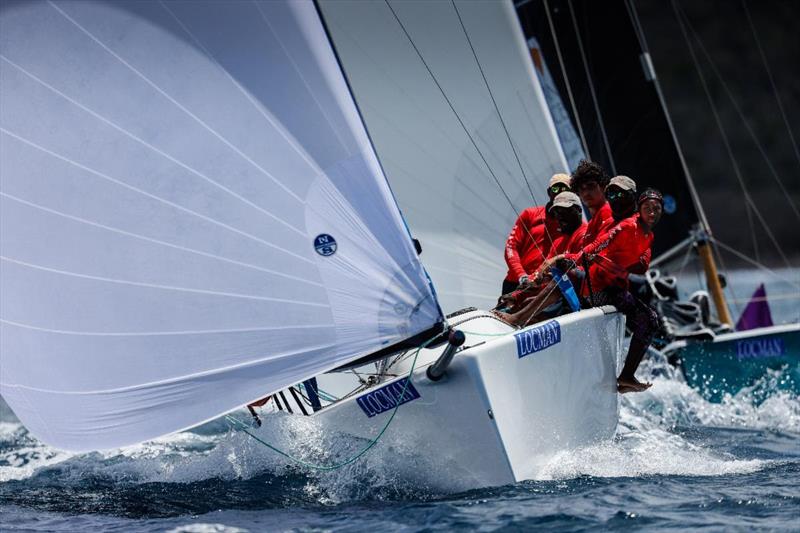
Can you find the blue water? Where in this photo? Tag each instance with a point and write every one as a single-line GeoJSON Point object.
{"type": "Point", "coordinates": [678, 462]}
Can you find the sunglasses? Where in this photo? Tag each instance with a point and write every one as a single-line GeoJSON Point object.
{"type": "Point", "coordinates": [616, 194]}
{"type": "Point", "coordinates": [558, 188]}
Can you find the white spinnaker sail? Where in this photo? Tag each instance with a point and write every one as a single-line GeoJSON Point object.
{"type": "Point", "coordinates": [448, 195]}
{"type": "Point", "coordinates": [166, 170]}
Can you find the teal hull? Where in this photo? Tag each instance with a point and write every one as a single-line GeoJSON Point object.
{"type": "Point", "coordinates": [734, 361]}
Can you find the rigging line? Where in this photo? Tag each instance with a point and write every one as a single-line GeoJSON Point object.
{"type": "Point", "coordinates": [180, 106]}
{"type": "Point", "coordinates": [153, 196]}
{"type": "Point", "coordinates": [771, 79]}
{"type": "Point", "coordinates": [744, 257]}
{"type": "Point", "coordinates": [752, 231]}
{"type": "Point", "coordinates": [156, 241]}
{"type": "Point", "coordinates": [494, 102]}
{"type": "Point", "coordinates": [745, 122]}
{"type": "Point", "coordinates": [157, 285]}
{"type": "Point", "coordinates": [634, 15]}
{"type": "Point", "coordinates": [793, 296]}
{"type": "Point", "coordinates": [460, 121]}
{"type": "Point", "coordinates": [292, 142]}
{"type": "Point", "coordinates": [449, 103]}
{"type": "Point", "coordinates": [586, 69]}
{"type": "Point", "coordinates": [157, 333]}
{"type": "Point", "coordinates": [681, 17]}
{"type": "Point", "coordinates": [566, 79]}
{"type": "Point", "coordinates": [492, 151]}
{"type": "Point", "coordinates": [380, 68]}
{"type": "Point", "coordinates": [144, 143]}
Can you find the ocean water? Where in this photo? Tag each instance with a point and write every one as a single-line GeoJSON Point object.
{"type": "Point", "coordinates": [677, 462]}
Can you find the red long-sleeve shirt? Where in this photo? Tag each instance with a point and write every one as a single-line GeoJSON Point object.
{"type": "Point", "coordinates": [623, 250]}
{"type": "Point", "coordinates": [601, 222]}
{"type": "Point", "coordinates": [529, 242]}
{"type": "Point", "coordinates": [569, 244]}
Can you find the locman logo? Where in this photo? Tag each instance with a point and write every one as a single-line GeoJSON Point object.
{"type": "Point", "coordinates": [325, 245]}
{"type": "Point", "coordinates": [387, 397]}
{"type": "Point", "coordinates": [538, 338]}
{"type": "Point", "coordinates": [764, 347]}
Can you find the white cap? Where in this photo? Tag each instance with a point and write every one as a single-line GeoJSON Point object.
{"type": "Point", "coordinates": [559, 178]}
{"type": "Point", "coordinates": [566, 199]}
{"type": "Point", "coordinates": [623, 182]}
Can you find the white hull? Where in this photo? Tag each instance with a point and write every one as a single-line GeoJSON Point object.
{"type": "Point", "coordinates": [497, 418]}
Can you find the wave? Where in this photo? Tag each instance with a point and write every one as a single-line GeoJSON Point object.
{"type": "Point", "coordinates": [663, 431]}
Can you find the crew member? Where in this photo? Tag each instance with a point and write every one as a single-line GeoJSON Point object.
{"type": "Point", "coordinates": [566, 208]}
{"type": "Point", "coordinates": [532, 236]}
{"type": "Point", "coordinates": [589, 181]}
{"type": "Point", "coordinates": [537, 301]}
{"type": "Point", "coordinates": [621, 196]}
{"type": "Point", "coordinates": [624, 250]}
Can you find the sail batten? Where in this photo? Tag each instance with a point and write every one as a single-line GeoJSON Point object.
{"type": "Point", "coordinates": [192, 217]}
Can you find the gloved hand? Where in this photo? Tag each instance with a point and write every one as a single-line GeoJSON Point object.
{"type": "Point", "coordinates": [523, 280]}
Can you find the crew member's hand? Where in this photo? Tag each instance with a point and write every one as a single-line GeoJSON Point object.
{"type": "Point", "coordinates": [565, 265]}
{"type": "Point", "coordinates": [523, 280]}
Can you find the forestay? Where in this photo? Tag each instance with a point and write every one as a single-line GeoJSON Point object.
{"type": "Point", "coordinates": [192, 216]}
{"type": "Point", "coordinates": [460, 199]}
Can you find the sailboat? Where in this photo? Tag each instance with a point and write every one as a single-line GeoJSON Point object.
{"type": "Point", "coordinates": [211, 205]}
{"type": "Point", "coordinates": [618, 104]}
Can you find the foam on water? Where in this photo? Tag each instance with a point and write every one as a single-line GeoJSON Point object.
{"type": "Point", "coordinates": [647, 444]}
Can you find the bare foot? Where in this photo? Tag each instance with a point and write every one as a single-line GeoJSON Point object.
{"type": "Point", "coordinates": [505, 317]}
{"type": "Point", "coordinates": [625, 385]}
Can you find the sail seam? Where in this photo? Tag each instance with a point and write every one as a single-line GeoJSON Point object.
{"type": "Point", "coordinates": [158, 333]}
{"type": "Point", "coordinates": [155, 241]}
{"type": "Point", "coordinates": [153, 196]}
{"type": "Point", "coordinates": [170, 381]}
{"type": "Point", "coordinates": [150, 146]}
{"type": "Point", "coordinates": [158, 286]}
{"type": "Point", "coordinates": [175, 102]}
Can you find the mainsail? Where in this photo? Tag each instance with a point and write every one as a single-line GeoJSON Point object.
{"type": "Point", "coordinates": [445, 88]}
{"type": "Point", "coordinates": [192, 216]}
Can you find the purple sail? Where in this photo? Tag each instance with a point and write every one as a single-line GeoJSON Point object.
{"type": "Point", "coordinates": [757, 313]}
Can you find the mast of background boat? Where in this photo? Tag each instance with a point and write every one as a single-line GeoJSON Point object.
{"type": "Point", "coordinates": [702, 236]}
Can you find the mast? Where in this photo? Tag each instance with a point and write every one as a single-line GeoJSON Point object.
{"type": "Point", "coordinates": [703, 234]}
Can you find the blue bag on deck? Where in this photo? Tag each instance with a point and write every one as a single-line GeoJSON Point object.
{"type": "Point", "coordinates": [565, 285]}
